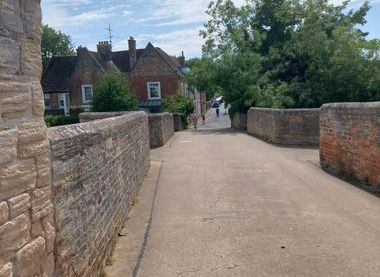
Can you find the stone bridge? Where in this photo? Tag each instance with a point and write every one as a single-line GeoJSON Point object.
{"type": "Point", "coordinates": [209, 202]}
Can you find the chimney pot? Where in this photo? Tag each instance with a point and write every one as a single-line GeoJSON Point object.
{"type": "Point", "coordinates": [104, 48]}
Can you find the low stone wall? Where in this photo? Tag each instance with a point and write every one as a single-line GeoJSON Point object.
{"type": "Point", "coordinates": [178, 124]}
{"type": "Point", "coordinates": [161, 128]}
{"type": "Point", "coordinates": [91, 116]}
{"type": "Point", "coordinates": [285, 126]}
{"type": "Point", "coordinates": [96, 169]}
{"type": "Point", "coordinates": [350, 141]}
{"type": "Point", "coordinates": [239, 121]}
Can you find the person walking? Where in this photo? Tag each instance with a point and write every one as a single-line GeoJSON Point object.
{"type": "Point", "coordinates": [194, 119]}
{"type": "Point", "coordinates": [217, 112]}
{"type": "Point", "coordinates": [203, 119]}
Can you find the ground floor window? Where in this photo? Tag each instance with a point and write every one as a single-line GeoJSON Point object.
{"type": "Point", "coordinates": [154, 90]}
{"type": "Point", "coordinates": [87, 93]}
{"type": "Point", "coordinates": [47, 101]}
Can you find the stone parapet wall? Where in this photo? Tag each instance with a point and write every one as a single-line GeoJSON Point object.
{"type": "Point", "coordinates": [285, 126]}
{"type": "Point", "coordinates": [91, 116]}
{"type": "Point", "coordinates": [161, 128]}
{"type": "Point", "coordinates": [239, 121]}
{"type": "Point", "coordinates": [26, 214]}
{"type": "Point", "coordinates": [97, 168]}
{"type": "Point", "coordinates": [350, 141]}
{"type": "Point", "coordinates": [178, 124]}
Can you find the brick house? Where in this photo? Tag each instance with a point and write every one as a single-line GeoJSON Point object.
{"type": "Point", "coordinates": [68, 81]}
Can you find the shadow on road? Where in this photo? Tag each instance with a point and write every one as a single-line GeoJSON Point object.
{"type": "Point", "coordinates": [212, 131]}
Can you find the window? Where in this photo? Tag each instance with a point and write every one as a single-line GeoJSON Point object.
{"type": "Point", "coordinates": [61, 100]}
{"type": "Point", "coordinates": [154, 90]}
{"type": "Point", "coordinates": [47, 101]}
{"type": "Point", "coordinates": [87, 93]}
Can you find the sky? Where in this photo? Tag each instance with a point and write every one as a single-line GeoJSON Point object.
{"type": "Point", "coordinates": [172, 25]}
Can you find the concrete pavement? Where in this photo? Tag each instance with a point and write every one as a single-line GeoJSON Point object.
{"type": "Point", "coordinates": [227, 204]}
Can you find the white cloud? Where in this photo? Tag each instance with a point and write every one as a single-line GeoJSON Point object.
{"type": "Point", "coordinates": [64, 13]}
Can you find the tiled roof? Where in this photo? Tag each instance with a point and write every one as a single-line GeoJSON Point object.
{"type": "Point", "coordinates": [121, 59]}
{"type": "Point", "coordinates": [171, 61]}
{"type": "Point", "coordinates": [57, 75]}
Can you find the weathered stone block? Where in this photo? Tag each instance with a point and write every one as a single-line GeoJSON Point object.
{"type": "Point", "coordinates": [32, 140]}
{"type": "Point", "coordinates": [16, 106]}
{"type": "Point", "coordinates": [10, 6]}
{"type": "Point", "coordinates": [48, 266]}
{"type": "Point", "coordinates": [30, 57]}
{"type": "Point", "coordinates": [14, 234]}
{"type": "Point", "coordinates": [9, 56]}
{"type": "Point", "coordinates": [31, 17]}
{"type": "Point", "coordinates": [19, 204]}
{"type": "Point", "coordinates": [37, 229]}
{"type": "Point", "coordinates": [11, 23]}
{"type": "Point", "coordinates": [13, 85]}
{"type": "Point", "coordinates": [17, 177]}
{"type": "Point", "coordinates": [8, 146]}
{"type": "Point", "coordinates": [47, 223]}
{"type": "Point", "coordinates": [41, 203]}
{"type": "Point", "coordinates": [30, 257]}
{"type": "Point", "coordinates": [38, 103]}
{"type": "Point", "coordinates": [6, 270]}
{"type": "Point", "coordinates": [43, 172]}
{"type": "Point", "coordinates": [4, 212]}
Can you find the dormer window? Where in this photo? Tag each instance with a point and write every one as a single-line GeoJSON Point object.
{"type": "Point", "coordinates": [154, 90]}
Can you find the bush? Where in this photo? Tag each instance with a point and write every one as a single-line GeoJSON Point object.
{"type": "Point", "coordinates": [59, 120]}
{"type": "Point", "coordinates": [112, 94]}
{"type": "Point", "coordinates": [178, 103]}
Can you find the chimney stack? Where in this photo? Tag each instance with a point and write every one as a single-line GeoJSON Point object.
{"type": "Point", "coordinates": [182, 60]}
{"type": "Point", "coordinates": [81, 51]}
{"type": "Point", "coordinates": [132, 51]}
{"type": "Point", "coordinates": [105, 50]}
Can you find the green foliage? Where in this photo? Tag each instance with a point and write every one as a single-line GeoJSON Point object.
{"type": "Point", "coordinates": [178, 103]}
{"type": "Point", "coordinates": [54, 43]}
{"type": "Point", "coordinates": [202, 76]}
{"type": "Point", "coordinates": [288, 53]}
{"type": "Point", "coordinates": [59, 120]}
{"type": "Point", "coordinates": [112, 94]}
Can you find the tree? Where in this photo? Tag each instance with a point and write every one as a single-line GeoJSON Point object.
{"type": "Point", "coordinates": [288, 53]}
{"type": "Point", "coordinates": [54, 43]}
{"type": "Point", "coordinates": [178, 103]}
{"type": "Point", "coordinates": [112, 94]}
{"type": "Point", "coordinates": [202, 76]}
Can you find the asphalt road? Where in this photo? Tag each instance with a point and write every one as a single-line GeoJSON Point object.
{"type": "Point", "coordinates": [228, 204]}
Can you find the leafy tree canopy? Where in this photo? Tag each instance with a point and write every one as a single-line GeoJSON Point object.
{"type": "Point", "coordinates": [290, 53]}
{"type": "Point", "coordinates": [178, 103]}
{"type": "Point", "coordinates": [54, 43]}
{"type": "Point", "coordinates": [112, 94]}
{"type": "Point", "coordinates": [202, 76]}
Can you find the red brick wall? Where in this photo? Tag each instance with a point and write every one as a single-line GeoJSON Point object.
{"type": "Point", "coordinates": [54, 101]}
{"type": "Point", "coordinates": [350, 141]}
{"type": "Point", "coordinates": [152, 68]}
{"type": "Point", "coordinates": [170, 85]}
